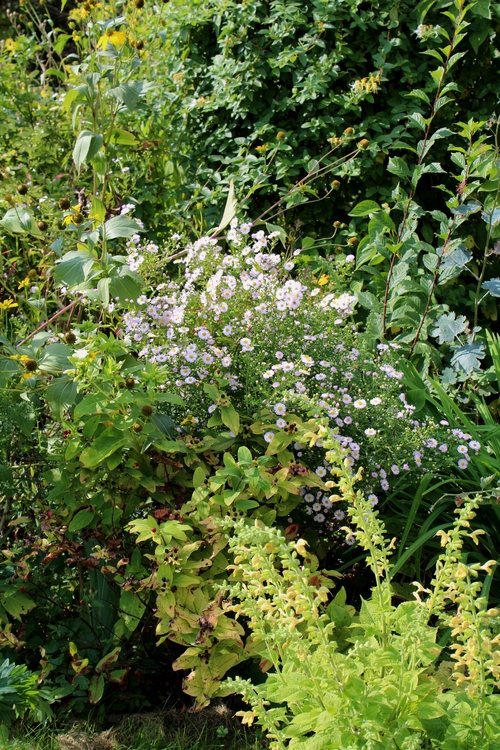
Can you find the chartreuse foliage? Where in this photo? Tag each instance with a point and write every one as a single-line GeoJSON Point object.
{"type": "Point", "coordinates": [422, 674]}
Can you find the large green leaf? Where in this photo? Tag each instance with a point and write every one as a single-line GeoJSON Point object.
{"type": "Point", "coordinates": [81, 520]}
{"type": "Point", "coordinates": [86, 147]}
{"type": "Point", "coordinates": [60, 393]}
{"type": "Point", "coordinates": [71, 270]}
{"type": "Point", "coordinates": [107, 443]}
{"type": "Point", "coordinates": [20, 221]}
{"type": "Point", "coordinates": [55, 358]}
{"type": "Point", "coordinates": [121, 226]}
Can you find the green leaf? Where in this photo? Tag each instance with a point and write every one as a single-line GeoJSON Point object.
{"type": "Point", "coordinates": [108, 660]}
{"type": "Point", "coordinates": [230, 209]}
{"type": "Point", "coordinates": [279, 442]}
{"type": "Point", "coordinates": [365, 208]}
{"type": "Point", "coordinates": [244, 454]}
{"type": "Point", "coordinates": [55, 358]}
{"type": "Point", "coordinates": [86, 147]}
{"type": "Point", "coordinates": [121, 226]}
{"type": "Point", "coordinates": [397, 166]}
{"type": "Point", "coordinates": [493, 287]}
{"type": "Point", "coordinates": [107, 443]}
{"type": "Point", "coordinates": [131, 609]}
{"type": "Point", "coordinates": [429, 709]}
{"type": "Point", "coordinates": [467, 358]}
{"type": "Point", "coordinates": [17, 604]}
{"type": "Point", "coordinates": [71, 270]}
{"type": "Point", "coordinates": [246, 504]}
{"type": "Point", "coordinates": [59, 394]}
{"type": "Point", "coordinates": [20, 221]}
{"type": "Point", "coordinates": [123, 138]}
{"type": "Point", "coordinates": [96, 688]}
{"type": "Point", "coordinates": [230, 418]}
{"type": "Point", "coordinates": [447, 328]}
{"type": "Point", "coordinates": [98, 209]}
{"type": "Point", "coordinates": [81, 520]}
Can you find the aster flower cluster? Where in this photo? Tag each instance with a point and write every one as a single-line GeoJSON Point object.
{"type": "Point", "coordinates": [239, 315]}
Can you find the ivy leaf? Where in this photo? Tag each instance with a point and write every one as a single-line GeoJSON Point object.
{"type": "Point", "coordinates": [447, 327]}
{"type": "Point", "coordinates": [467, 358]}
{"type": "Point", "coordinates": [493, 287]}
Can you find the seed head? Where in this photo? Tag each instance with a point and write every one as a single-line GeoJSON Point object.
{"type": "Point", "coordinates": [139, 44]}
{"type": "Point", "coordinates": [137, 427]}
{"type": "Point", "coordinates": [139, 4]}
{"type": "Point", "coordinates": [146, 410]}
{"type": "Point", "coordinates": [42, 225]}
{"type": "Point", "coordinates": [349, 131]}
{"type": "Point", "coordinates": [64, 204]}
{"type": "Point", "coordinates": [77, 219]}
{"type": "Point", "coordinates": [70, 337]}
{"type": "Point", "coordinates": [363, 144]}
{"type": "Point", "coordinates": [32, 273]}
{"type": "Point", "coordinates": [352, 241]}
{"type": "Point", "coordinates": [30, 365]}
{"type": "Point", "coordinates": [281, 136]}
{"type": "Point", "coordinates": [337, 224]}
{"type": "Point", "coordinates": [129, 383]}
{"type": "Point", "coordinates": [22, 189]}
{"type": "Point", "coordinates": [335, 184]}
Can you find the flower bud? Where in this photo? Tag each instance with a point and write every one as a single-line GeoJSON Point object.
{"type": "Point", "coordinates": [363, 144]}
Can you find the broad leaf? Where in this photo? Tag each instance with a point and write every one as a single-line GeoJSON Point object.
{"type": "Point", "coordinates": [447, 328]}
{"type": "Point", "coordinates": [121, 226]}
{"type": "Point", "coordinates": [467, 358]}
{"type": "Point", "coordinates": [493, 287]}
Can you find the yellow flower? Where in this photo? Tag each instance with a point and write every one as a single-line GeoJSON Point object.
{"type": "Point", "coordinates": [7, 304]}
{"type": "Point", "coordinates": [323, 279]}
{"type": "Point", "coordinates": [24, 283]}
{"type": "Point", "coordinates": [116, 38]}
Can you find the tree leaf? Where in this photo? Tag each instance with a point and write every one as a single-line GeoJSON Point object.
{"type": "Point", "coordinates": [81, 520]}
{"type": "Point", "coordinates": [365, 208]}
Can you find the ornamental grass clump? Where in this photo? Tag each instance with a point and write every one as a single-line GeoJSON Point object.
{"type": "Point", "coordinates": [388, 677]}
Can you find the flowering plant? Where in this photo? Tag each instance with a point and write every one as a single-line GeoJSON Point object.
{"type": "Point", "coordinates": [379, 677]}
{"type": "Point", "coordinates": [240, 337]}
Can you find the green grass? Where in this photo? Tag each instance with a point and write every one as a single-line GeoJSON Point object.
{"type": "Point", "coordinates": [169, 731]}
